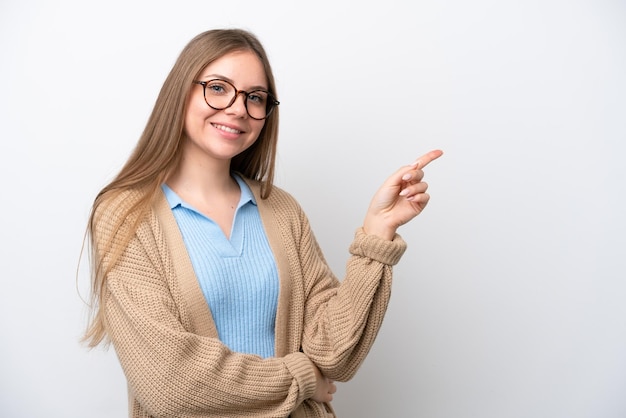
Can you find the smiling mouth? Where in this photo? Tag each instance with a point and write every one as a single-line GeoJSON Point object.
{"type": "Point", "coordinates": [226, 129]}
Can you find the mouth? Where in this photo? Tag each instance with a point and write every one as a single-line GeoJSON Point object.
{"type": "Point", "coordinates": [226, 129]}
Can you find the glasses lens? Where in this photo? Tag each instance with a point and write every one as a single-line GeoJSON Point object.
{"type": "Point", "coordinates": [259, 104]}
{"type": "Point", "coordinates": [219, 94]}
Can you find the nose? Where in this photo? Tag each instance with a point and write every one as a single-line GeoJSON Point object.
{"type": "Point", "coordinates": [239, 106]}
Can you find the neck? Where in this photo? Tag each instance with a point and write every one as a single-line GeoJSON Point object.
{"type": "Point", "coordinates": [201, 179]}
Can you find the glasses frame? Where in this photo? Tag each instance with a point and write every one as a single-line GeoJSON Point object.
{"type": "Point", "coordinates": [271, 100]}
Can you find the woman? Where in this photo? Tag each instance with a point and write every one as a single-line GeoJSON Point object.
{"type": "Point", "coordinates": [207, 279]}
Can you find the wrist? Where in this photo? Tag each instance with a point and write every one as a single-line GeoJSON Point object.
{"type": "Point", "coordinates": [379, 228]}
{"type": "Point", "coordinates": [304, 372]}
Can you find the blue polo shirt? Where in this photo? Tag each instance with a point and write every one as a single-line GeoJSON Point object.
{"type": "Point", "coordinates": [238, 277]}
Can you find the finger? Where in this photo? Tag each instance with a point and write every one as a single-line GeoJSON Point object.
{"type": "Point", "coordinates": [414, 189]}
{"type": "Point", "coordinates": [427, 158]}
{"type": "Point", "coordinates": [421, 199]}
{"type": "Point", "coordinates": [416, 174]}
{"type": "Point", "coordinates": [332, 389]}
{"type": "Point", "coordinates": [413, 176]}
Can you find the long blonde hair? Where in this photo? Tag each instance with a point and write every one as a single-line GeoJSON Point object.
{"type": "Point", "coordinates": [158, 153]}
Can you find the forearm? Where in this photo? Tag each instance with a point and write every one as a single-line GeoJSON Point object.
{"type": "Point", "coordinates": [347, 318]}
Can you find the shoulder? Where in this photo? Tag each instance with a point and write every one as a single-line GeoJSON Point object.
{"type": "Point", "coordinates": [280, 211]}
{"type": "Point", "coordinates": [279, 199]}
{"type": "Point", "coordinates": [117, 215]}
{"type": "Point", "coordinates": [115, 206]}
{"type": "Point", "coordinates": [283, 199]}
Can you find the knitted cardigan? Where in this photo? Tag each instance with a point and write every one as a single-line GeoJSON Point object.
{"type": "Point", "coordinates": [161, 327]}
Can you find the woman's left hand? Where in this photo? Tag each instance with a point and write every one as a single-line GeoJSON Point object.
{"type": "Point", "coordinates": [401, 198]}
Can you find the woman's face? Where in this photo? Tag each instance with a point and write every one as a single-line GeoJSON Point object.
{"type": "Point", "coordinates": [223, 134]}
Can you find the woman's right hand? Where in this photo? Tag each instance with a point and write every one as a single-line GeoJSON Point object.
{"type": "Point", "coordinates": [401, 197]}
{"type": "Point", "coordinates": [325, 387]}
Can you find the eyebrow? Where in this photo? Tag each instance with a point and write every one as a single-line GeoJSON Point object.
{"type": "Point", "coordinates": [221, 77]}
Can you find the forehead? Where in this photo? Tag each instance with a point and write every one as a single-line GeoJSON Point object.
{"type": "Point", "coordinates": [244, 68]}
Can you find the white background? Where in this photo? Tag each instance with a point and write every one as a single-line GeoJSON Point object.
{"type": "Point", "coordinates": [510, 301]}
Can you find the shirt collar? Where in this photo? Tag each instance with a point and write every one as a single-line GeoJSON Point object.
{"type": "Point", "coordinates": [175, 201]}
{"type": "Point", "coordinates": [246, 193]}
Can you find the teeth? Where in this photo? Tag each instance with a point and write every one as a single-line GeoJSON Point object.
{"type": "Point", "coordinates": [227, 129]}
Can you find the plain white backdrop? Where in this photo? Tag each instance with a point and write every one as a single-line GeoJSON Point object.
{"type": "Point", "coordinates": [510, 300]}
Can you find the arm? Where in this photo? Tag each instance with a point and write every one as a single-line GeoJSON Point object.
{"type": "Point", "coordinates": [342, 320]}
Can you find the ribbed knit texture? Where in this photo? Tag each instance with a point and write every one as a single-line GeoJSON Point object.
{"type": "Point", "coordinates": [166, 340]}
{"type": "Point", "coordinates": [238, 277]}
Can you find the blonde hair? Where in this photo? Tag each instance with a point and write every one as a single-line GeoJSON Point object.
{"type": "Point", "coordinates": [158, 153]}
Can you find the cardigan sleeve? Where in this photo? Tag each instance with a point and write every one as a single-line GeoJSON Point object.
{"type": "Point", "coordinates": [173, 372]}
{"type": "Point", "coordinates": [342, 319]}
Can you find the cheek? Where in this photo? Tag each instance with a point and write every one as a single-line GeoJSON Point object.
{"type": "Point", "coordinates": [258, 127]}
{"type": "Point", "coordinates": [196, 116]}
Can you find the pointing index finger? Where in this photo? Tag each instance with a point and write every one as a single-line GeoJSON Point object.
{"type": "Point", "coordinates": [425, 159]}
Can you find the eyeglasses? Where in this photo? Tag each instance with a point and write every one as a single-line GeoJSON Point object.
{"type": "Point", "coordinates": [221, 94]}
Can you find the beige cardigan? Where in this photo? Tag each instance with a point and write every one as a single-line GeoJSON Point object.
{"type": "Point", "coordinates": [162, 331]}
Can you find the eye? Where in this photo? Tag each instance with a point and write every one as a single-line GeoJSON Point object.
{"type": "Point", "coordinates": [218, 88]}
{"type": "Point", "coordinates": [257, 97]}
